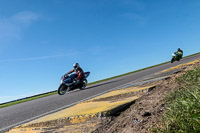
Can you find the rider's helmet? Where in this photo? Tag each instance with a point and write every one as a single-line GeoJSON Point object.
{"type": "Point", "coordinates": [178, 49]}
{"type": "Point", "coordinates": [76, 65]}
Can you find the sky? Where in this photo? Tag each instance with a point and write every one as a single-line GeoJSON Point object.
{"type": "Point", "coordinates": [40, 40]}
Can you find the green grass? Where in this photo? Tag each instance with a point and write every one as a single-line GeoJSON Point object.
{"type": "Point", "coordinates": [183, 106]}
{"type": "Point", "coordinates": [53, 93]}
{"type": "Point", "coordinates": [28, 99]}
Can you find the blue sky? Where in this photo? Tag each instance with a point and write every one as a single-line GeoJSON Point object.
{"type": "Point", "coordinates": [41, 39]}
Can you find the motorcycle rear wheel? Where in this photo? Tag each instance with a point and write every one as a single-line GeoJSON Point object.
{"type": "Point", "coordinates": [84, 84]}
{"type": "Point", "coordinates": [62, 89]}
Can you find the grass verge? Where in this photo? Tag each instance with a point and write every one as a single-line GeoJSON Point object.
{"type": "Point", "coordinates": [27, 99]}
{"type": "Point", "coordinates": [55, 92]}
{"type": "Point", "coordinates": [183, 106]}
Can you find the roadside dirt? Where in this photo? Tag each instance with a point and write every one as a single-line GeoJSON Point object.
{"type": "Point", "coordinates": [147, 111]}
{"type": "Point", "coordinates": [140, 117]}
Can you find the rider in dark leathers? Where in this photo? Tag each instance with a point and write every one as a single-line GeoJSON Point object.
{"type": "Point", "coordinates": [79, 71]}
{"type": "Point", "coordinates": [179, 52]}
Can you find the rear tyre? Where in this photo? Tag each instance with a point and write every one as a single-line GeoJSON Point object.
{"type": "Point", "coordinates": [84, 84]}
{"type": "Point", "coordinates": [62, 89]}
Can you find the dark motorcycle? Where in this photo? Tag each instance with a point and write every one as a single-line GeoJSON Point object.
{"type": "Point", "coordinates": [68, 83]}
{"type": "Point", "coordinates": [176, 56]}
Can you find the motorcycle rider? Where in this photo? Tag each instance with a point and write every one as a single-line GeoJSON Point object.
{"type": "Point", "coordinates": [179, 53]}
{"type": "Point", "coordinates": [79, 71]}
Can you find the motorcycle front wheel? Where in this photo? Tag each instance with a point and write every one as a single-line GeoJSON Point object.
{"type": "Point", "coordinates": [62, 89]}
{"type": "Point", "coordinates": [172, 60]}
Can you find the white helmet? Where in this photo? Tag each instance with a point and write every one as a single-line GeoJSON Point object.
{"type": "Point", "coordinates": [76, 65]}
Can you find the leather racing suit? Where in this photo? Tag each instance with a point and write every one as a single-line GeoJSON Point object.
{"type": "Point", "coordinates": [80, 74]}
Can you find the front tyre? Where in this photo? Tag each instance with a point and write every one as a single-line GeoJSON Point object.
{"type": "Point", "coordinates": [84, 84]}
{"type": "Point", "coordinates": [172, 60]}
{"type": "Point", "coordinates": [62, 89]}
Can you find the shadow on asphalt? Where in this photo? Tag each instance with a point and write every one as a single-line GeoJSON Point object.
{"type": "Point", "coordinates": [76, 90]}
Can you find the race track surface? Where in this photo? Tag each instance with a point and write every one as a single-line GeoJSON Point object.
{"type": "Point", "coordinates": [21, 113]}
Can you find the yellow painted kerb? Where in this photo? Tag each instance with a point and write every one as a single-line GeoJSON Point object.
{"type": "Point", "coordinates": [179, 66]}
{"type": "Point", "coordinates": [86, 110]}
{"type": "Point", "coordinates": [91, 107]}
{"type": "Point", "coordinates": [83, 109]}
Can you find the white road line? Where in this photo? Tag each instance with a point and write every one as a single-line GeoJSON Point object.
{"type": "Point", "coordinates": [56, 110]}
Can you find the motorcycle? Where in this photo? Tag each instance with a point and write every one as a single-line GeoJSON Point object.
{"type": "Point", "coordinates": [176, 56]}
{"type": "Point", "coordinates": [69, 83]}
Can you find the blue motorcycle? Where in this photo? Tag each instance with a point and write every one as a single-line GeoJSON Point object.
{"type": "Point", "coordinates": [68, 83]}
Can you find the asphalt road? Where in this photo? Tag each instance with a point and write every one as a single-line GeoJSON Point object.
{"type": "Point", "coordinates": [21, 113]}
